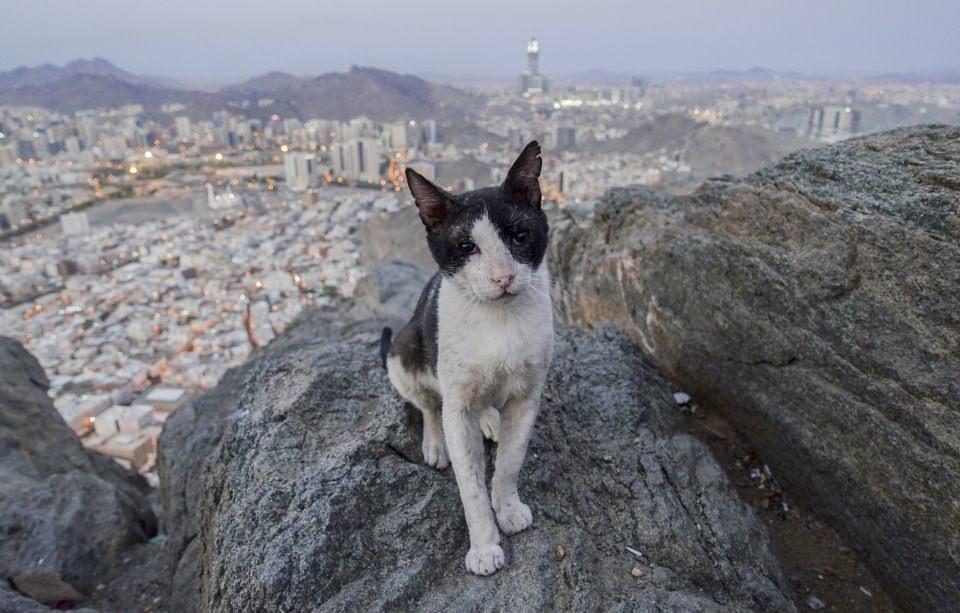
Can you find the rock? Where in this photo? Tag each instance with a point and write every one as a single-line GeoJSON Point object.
{"type": "Point", "coordinates": [397, 235]}
{"type": "Point", "coordinates": [46, 587]}
{"type": "Point", "coordinates": [15, 602]}
{"type": "Point", "coordinates": [391, 288]}
{"type": "Point", "coordinates": [193, 432]}
{"type": "Point", "coordinates": [815, 303]}
{"type": "Point", "coordinates": [815, 603]}
{"type": "Point", "coordinates": [301, 487]}
{"type": "Point", "coordinates": [65, 512]}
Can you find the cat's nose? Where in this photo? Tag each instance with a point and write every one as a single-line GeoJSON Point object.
{"type": "Point", "coordinates": [503, 281]}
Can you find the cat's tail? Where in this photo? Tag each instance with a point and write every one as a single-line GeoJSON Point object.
{"type": "Point", "coordinates": [386, 337]}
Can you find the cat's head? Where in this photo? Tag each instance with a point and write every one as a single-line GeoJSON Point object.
{"type": "Point", "coordinates": [489, 241]}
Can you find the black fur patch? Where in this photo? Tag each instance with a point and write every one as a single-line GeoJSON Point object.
{"type": "Point", "coordinates": [416, 343]}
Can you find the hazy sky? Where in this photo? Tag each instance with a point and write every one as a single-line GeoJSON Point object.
{"type": "Point", "coordinates": [220, 40]}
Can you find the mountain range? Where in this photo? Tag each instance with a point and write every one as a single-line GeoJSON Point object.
{"type": "Point", "coordinates": [97, 83]}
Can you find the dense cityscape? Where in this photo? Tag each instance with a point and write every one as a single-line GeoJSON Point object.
{"type": "Point", "coordinates": [146, 251]}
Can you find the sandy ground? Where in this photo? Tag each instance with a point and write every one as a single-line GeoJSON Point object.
{"type": "Point", "coordinates": [820, 567]}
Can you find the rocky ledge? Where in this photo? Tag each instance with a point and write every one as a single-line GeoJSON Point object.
{"type": "Point", "coordinates": [816, 304]}
{"type": "Point", "coordinates": [67, 516]}
{"type": "Point", "coordinates": [299, 486]}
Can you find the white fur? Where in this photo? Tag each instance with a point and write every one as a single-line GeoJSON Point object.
{"type": "Point", "coordinates": [494, 350]}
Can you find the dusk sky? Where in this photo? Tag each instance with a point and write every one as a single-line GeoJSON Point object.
{"type": "Point", "coordinates": [223, 40]}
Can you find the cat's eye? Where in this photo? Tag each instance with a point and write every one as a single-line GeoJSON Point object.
{"type": "Point", "coordinates": [520, 238]}
{"type": "Point", "coordinates": [468, 248]}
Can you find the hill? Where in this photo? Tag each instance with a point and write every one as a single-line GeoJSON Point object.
{"type": "Point", "coordinates": [378, 94]}
{"type": "Point", "coordinates": [46, 74]}
{"type": "Point", "coordinates": [710, 150]}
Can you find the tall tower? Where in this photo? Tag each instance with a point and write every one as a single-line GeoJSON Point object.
{"type": "Point", "coordinates": [531, 82]}
{"type": "Point", "coordinates": [533, 56]}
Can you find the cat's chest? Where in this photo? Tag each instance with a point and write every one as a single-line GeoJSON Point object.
{"type": "Point", "coordinates": [507, 340]}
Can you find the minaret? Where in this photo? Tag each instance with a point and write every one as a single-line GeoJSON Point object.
{"type": "Point", "coordinates": [533, 55]}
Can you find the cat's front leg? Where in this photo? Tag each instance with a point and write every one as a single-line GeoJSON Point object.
{"type": "Point", "coordinates": [465, 446]}
{"type": "Point", "coordinates": [516, 427]}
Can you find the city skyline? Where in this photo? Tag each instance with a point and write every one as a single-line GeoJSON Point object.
{"type": "Point", "coordinates": [217, 43]}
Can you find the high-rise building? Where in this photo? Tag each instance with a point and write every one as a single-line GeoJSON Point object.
{"type": "Point", "coordinates": [430, 131]}
{"type": "Point", "coordinates": [357, 159]}
{"type": "Point", "coordinates": [300, 170]}
{"type": "Point", "coordinates": [395, 135]}
{"type": "Point", "coordinates": [833, 123]}
{"type": "Point", "coordinates": [183, 126]}
{"type": "Point", "coordinates": [566, 137]}
{"type": "Point", "coordinates": [531, 82]}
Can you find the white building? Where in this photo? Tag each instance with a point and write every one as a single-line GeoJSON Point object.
{"type": "Point", "coordinates": [75, 224]}
{"type": "Point", "coordinates": [182, 124]}
{"type": "Point", "coordinates": [833, 123]}
{"type": "Point", "coordinates": [300, 170]}
{"type": "Point", "coordinates": [357, 159]}
{"type": "Point", "coordinates": [395, 135]}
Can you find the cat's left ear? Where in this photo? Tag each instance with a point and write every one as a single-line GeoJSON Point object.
{"type": "Point", "coordinates": [522, 184]}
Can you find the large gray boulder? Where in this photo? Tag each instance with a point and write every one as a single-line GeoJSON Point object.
{"type": "Point", "coordinates": [66, 515]}
{"type": "Point", "coordinates": [311, 494]}
{"type": "Point", "coordinates": [817, 304]}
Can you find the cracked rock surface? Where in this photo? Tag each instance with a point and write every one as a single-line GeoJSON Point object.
{"type": "Point", "coordinates": [299, 486]}
{"type": "Point", "coordinates": [815, 303]}
{"type": "Point", "coordinates": [67, 515]}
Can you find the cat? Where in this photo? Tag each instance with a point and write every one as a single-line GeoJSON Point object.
{"type": "Point", "coordinates": [480, 343]}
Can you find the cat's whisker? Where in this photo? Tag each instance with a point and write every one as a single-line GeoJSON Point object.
{"type": "Point", "coordinates": [561, 285]}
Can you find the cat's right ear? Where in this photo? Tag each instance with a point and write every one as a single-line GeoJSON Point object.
{"type": "Point", "coordinates": [432, 201]}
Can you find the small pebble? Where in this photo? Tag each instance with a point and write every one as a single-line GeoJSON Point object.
{"type": "Point", "coordinates": [101, 586]}
{"type": "Point", "coordinates": [866, 592]}
{"type": "Point", "coordinates": [681, 398]}
{"type": "Point", "coordinates": [561, 552]}
{"type": "Point", "coordinates": [815, 603]}
{"type": "Point", "coordinates": [637, 571]}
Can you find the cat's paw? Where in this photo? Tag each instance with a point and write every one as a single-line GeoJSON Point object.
{"type": "Point", "coordinates": [490, 423]}
{"type": "Point", "coordinates": [484, 559]}
{"type": "Point", "coordinates": [514, 517]}
{"type": "Point", "coordinates": [435, 454]}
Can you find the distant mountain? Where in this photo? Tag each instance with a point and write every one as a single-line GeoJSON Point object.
{"type": "Point", "coordinates": [48, 73]}
{"type": "Point", "coordinates": [378, 94]}
{"type": "Point", "coordinates": [757, 73]}
{"type": "Point", "coordinates": [710, 150]}
{"type": "Point", "coordinates": [914, 78]}
{"type": "Point", "coordinates": [275, 81]}
{"type": "Point", "coordinates": [76, 92]}
{"type": "Point", "coordinates": [381, 95]}
{"type": "Point", "coordinates": [597, 77]}
{"type": "Point", "coordinates": [663, 132]}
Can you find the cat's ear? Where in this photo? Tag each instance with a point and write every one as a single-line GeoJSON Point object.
{"type": "Point", "coordinates": [432, 202]}
{"type": "Point", "coordinates": [522, 184]}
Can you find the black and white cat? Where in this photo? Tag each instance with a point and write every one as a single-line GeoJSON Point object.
{"type": "Point", "coordinates": [480, 343]}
